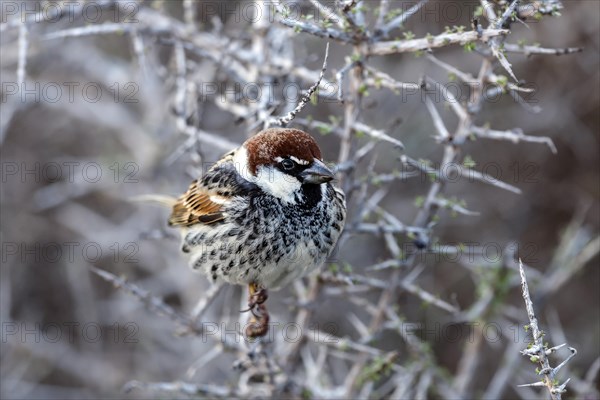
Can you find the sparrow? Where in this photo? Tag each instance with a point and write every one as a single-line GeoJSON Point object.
{"type": "Point", "coordinates": [264, 215]}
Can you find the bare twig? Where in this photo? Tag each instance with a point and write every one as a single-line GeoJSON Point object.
{"type": "Point", "coordinates": [310, 28]}
{"type": "Point", "coordinates": [533, 50]}
{"type": "Point", "coordinates": [181, 388]}
{"type": "Point", "coordinates": [286, 119]}
{"type": "Point", "coordinates": [22, 64]}
{"type": "Point", "coordinates": [399, 20]}
{"type": "Point", "coordinates": [442, 40]}
{"type": "Point", "coordinates": [515, 136]}
{"type": "Point", "coordinates": [153, 303]}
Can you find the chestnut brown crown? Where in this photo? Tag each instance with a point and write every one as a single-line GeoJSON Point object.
{"type": "Point", "coordinates": [266, 146]}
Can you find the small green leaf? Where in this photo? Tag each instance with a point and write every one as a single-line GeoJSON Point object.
{"type": "Point", "coordinates": [469, 47]}
{"type": "Point", "coordinates": [408, 35]}
{"type": "Point", "coordinates": [468, 162]}
{"type": "Point", "coordinates": [314, 97]}
{"type": "Point", "coordinates": [363, 90]}
{"type": "Point", "coordinates": [419, 201]}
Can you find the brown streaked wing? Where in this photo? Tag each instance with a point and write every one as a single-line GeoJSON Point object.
{"type": "Point", "coordinates": [195, 206]}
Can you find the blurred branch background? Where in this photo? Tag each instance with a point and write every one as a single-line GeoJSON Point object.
{"type": "Point", "coordinates": [465, 135]}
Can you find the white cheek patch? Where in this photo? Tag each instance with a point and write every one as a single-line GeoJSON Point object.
{"type": "Point", "coordinates": [268, 178]}
{"type": "Point", "coordinates": [278, 184]}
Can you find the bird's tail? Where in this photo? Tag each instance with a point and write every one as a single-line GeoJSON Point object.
{"type": "Point", "coordinates": [163, 200]}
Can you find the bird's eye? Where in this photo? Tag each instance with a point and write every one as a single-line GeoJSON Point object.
{"type": "Point", "coordinates": [287, 164]}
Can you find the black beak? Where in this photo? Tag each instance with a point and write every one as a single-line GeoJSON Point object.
{"type": "Point", "coordinates": [317, 173]}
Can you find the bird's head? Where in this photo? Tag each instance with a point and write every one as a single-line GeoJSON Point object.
{"type": "Point", "coordinates": [284, 163]}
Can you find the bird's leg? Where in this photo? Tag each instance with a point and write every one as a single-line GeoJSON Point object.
{"type": "Point", "coordinates": [256, 295]}
{"type": "Point", "coordinates": [258, 325]}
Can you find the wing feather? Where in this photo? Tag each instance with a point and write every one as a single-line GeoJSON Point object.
{"type": "Point", "coordinates": [205, 200]}
{"type": "Point", "coordinates": [196, 206]}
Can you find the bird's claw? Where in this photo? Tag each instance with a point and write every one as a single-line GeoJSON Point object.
{"type": "Point", "coordinates": [259, 322]}
{"type": "Point", "coordinates": [258, 298]}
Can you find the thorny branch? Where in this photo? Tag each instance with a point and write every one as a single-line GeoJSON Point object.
{"type": "Point", "coordinates": [286, 119]}
{"type": "Point", "coordinates": [538, 351]}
